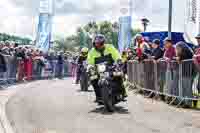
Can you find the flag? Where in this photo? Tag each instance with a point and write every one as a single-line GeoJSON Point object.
{"type": "Point", "coordinates": [44, 32]}
{"type": "Point", "coordinates": [124, 37]}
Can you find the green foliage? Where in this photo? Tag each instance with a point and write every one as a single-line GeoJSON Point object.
{"type": "Point", "coordinates": [135, 32]}
{"type": "Point", "coordinates": [7, 37]}
{"type": "Point", "coordinates": [83, 36]}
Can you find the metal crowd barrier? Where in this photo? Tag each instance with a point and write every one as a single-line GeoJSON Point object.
{"type": "Point", "coordinates": [18, 70]}
{"type": "Point", "coordinates": [178, 82]}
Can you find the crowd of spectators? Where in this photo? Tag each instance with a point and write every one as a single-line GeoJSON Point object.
{"type": "Point", "coordinates": [144, 49]}
{"type": "Point", "coordinates": [179, 53]}
{"type": "Point", "coordinates": [24, 62]}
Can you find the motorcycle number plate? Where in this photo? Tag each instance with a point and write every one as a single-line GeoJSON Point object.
{"type": "Point", "coordinates": [106, 74]}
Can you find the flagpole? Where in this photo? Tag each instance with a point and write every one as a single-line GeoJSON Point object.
{"type": "Point", "coordinates": [170, 20]}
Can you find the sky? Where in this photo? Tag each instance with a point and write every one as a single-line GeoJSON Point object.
{"type": "Point", "coordinates": [20, 17]}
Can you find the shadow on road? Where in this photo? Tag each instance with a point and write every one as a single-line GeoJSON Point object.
{"type": "Point", "coordinates": [84, 91]}
{"type": "Point", "coordinates": [118, 109]}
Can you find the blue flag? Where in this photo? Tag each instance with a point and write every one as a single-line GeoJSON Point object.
{"type": "Point", "coordinates": [124, 38]}
{"type": "Point", "coordinates": [44, 32]}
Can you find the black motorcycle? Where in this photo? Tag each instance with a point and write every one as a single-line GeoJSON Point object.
{"type": "Point", "coordinates": [107, 79]}
{"type": "Point", "coordinates": [84, 78]}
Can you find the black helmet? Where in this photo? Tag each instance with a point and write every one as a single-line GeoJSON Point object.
{"type": "Point", "coordinates": [99, 39]}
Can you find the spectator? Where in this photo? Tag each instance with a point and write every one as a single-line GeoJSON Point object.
{"type": "Point", "coordinates": [196, 60]}
{"type": "Point", "coordinates": [141, 48]}
{"type": "Point", "coordinates": [73, 66]}
{"type": "Point", "coordinates": [1, 45]}
{"type": "Point", "coordinates": [66, 65]}
{"type": "Point", "coordinates": [198, 42]}
{"type": "Point", "coordinates": [60, 62]}
{"type": "Point", "coordinates": [13, 63]}
{"type": "Point", "coordinates": [28, 64]}
{"type": "Point", "coordinates": [47, 70]}
{"type": "Point", "coordinates": [131, 54]}
{"type": "Point", "coordinates": [197, 53]}
{"type": "Point", "coordinates": [20, 54]}
{"type": "Point", "coordinates": [7, 44]}
{"type": "Point", "coordinates": [140, 43]}
{"type": "Point", "coordinates": [172, 70]}
{"type": "Point", "coordinates": [41, 63]}
{"type": "Point", "coordinates": [5, 50]}
{"type": "Point", "coordinates": [2, 64]}
{"type": "Point", "coordinates": [183, 52]}
{"type": "Point", "coordinates": [170, 52]}
{"type": "Point", "coordinates": [124, 61]}
{"type": "Point", "coordinates": [20, 61]}
{"type": "Point", "coordinates": [124, 56]}
{"type": "Point", "coordinates": [16, 45]}
{"type": "Point", "coordinates": [51, 59]}
{"type": "Point", "coordinates": [157, 52]}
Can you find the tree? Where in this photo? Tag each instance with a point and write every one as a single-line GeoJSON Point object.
{"type": "Point", "coordinates": [7, 37]}
{"type": "Point", "coordinates": [69, 43]}
{"type": "Point", "coordinates": [81, 37]}
{"type": "Point", "coordinates": [135, 32]}
{"type": "Point", "coordinates": [85, 34]}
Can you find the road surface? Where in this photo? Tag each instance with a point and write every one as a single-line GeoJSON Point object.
{"type": "Point", "coordinates": [57, 106]}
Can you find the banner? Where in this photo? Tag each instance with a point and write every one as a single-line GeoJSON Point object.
{"type": "Point", "coordinates": [44, 32]}
{"type": "Point", "coordinates": [125, 7]}
{"type": "Point", "coordinates": [124, 38]}
{"type": "Point", "coordinates": [198, 17]}
{"type": "Point", "coordinates": [46, 6]}
{"type": "Point", "coordinates": [192, 20]}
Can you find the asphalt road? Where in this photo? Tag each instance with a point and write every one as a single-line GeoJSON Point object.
{"type": "Point", "coordinates": [59, 107]}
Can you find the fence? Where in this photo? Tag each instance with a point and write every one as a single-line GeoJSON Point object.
{"type": "Point", "coordinates": [177, 83]}
{"type": "Point", "coordinates": [18, 70]}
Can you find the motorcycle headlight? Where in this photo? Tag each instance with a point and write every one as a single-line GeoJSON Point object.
{"type": "Point", "coordinates": [117, 73]}
{"type": "Point", "coordinates": [101, 68]}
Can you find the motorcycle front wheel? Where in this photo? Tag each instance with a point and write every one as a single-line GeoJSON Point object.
{"type": "Point", "coordinates": [107, 99]}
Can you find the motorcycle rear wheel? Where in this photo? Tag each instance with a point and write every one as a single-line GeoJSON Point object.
{"type": "Point", "coordinates": [84, 82]}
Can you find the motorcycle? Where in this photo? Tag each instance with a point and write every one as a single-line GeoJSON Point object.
{"type": "Point", "coordinates": [84, 79]}
{"type": "Point", "coordinates": [110, 89]}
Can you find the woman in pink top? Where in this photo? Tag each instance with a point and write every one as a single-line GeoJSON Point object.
{"type": "Point", "coordinates": [170, 52]}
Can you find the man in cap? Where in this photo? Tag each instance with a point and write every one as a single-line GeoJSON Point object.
{"type": "Point", "coordinates": [7, 44]}
{"type": "Point", "coordinates": [157, 52]}
{"type": "Point", "coordinates": [1, 45]}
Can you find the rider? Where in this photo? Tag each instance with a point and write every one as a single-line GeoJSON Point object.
{"type": "Point", "coordinates": [82, 57]}
{"type": "Point", "coordinates": [100, 53]}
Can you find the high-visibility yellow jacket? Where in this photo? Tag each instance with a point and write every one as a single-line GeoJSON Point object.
{"type": "Point", "coordinates": [95, 57]}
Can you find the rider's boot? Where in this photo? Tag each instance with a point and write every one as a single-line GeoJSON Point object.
{"type": "Point", "coordinates": [96, 90]}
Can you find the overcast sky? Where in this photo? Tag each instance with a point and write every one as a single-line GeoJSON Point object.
{"type": "Point", "coordinates": [20, 16]}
